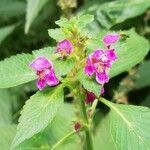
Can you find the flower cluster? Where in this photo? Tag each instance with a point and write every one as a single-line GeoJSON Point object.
{"type": "Point", "coordinates": [44, 67]}
{"type": "Point", "coordinates": [101, 60]}
{"type": "Point", "coordinates": [45, 71]}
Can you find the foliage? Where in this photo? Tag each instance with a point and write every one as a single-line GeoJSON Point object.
{"type": "Point", "coordinates": [77, 112]}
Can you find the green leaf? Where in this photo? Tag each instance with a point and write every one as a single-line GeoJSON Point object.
{"type": "Point", "coordinates": [61, 125]}
{"type": "Point", "coordinates": [33, 8]}
{"type": "Point", "coordinates": [7, 133]}
{"type": "Point", "coordinates": [5, 107]}
{"type": "Point", "coordinates": [112, 13]}
{"type": "Point", "coordinates": [130, 53]}
{"type": "Point", "coordinates": [62, 67]}
{"type": "Point", "coordinates": [142, 75]}
{"type": "Point", "coordinates": [84, 20]}
{"type": "Point", "coordinates": [5, 31]}
{"type": "Point", "coordinates": [89, 83]}
{"type": "Point", "coordinates": [38, 112]}
{"type": "Point", "coordinates": [125, 127]}
{"type": "Point", "coordinates": [15, 70]}
{"type": "Point", "coordinates": [57, 34]}
{"type": "Point", "coordinates": [11, 8]}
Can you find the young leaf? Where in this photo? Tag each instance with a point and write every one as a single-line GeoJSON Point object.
{"type": "Point", "coordinates": [33, 8]}
{"type": "Point", "coordinates": [15, 70]}
{"type": "Point", "coordinates": [38, 113]}
{"type": "Point", "coordinates": [57, 34]}
{"type": "Point", "coordinates": [125, 127]}
{"type": "Point", "coordinates": [89, 83]}
{"type": "Point", "coordinates": [130, 53]}
{"type": "Point", "coordinates": [62, 67]}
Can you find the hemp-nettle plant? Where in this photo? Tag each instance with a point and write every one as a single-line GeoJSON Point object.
{"type": "Point", "coordinates": [70, 102]}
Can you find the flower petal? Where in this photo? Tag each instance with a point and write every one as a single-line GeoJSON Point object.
{"type": "Point", "coordinates": [51, 79]}
{"type": "Point", "coordinates": [65, 47]}
{"type": "Point", "coordinates": [89, 70]}
{"type": "Point", "coordinates": [40, 64]}
{"type": "Point", "coordinates": [90, 97]}
{"type": "Point", "coordinates": [102, 78]}
{"type": "Point", "coordinates": [110, 39]}
{"type": "Point", "coordinates": [111, 54]}
{"type": "Point", "coordinates": [41, 83]}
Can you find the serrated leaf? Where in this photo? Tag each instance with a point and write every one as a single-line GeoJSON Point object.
{"type": "Point", "coordinates": [130, 53]}
{"type": "Point", "coordinates": [62, 67]}
{"type": "Point", "coordinates": [142, 75]}
{"type": "Point", "coordinates": [125, 127]}
{"type": "Point", "coordinates": [7, 133]}
{"type": "Point", "coordinates": [5, 31]}
{"type": "Point", "coordinates": [60, 126]}
{"type": "Point", "coordinates": [38, 112]}
{"type": "Point", "coordinates": [84, 20]}
{"type": "Point", "coordinates": [15, 70]}
{"type": "Point", "coordinates": [33, 8]}
{"type": "Point", "coordinates": [57, 34]}
{"type": "Point", "coordinates": [89, 83]}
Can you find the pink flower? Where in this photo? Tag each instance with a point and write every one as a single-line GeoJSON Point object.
{"type": "Point", "coordinates": [64, 47]}
{"type": "Point", "coordinates": [110, 39]}
{"type": "Point", "coordinates": [98, 62]}
{"type": "Point", "coordinates": [45, 71]}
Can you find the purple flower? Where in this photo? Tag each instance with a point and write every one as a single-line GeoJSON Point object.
{"type": "Point", "coordinates": [64, 47]}
{"type": "Point", "coordinates": [45, 71]}
{"type": "Point", "coordinates": [102, 91]}
{"type": "Point", "coordinates": [110, 39]}
{"type": "Point", "coordinates": [98, 62]}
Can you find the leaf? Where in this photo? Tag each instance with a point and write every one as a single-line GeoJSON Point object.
{"type": "Point", "coordinates": [130, 53]}
{"type": "Point", "coordinates": [33, 8]}
{"type": "Point", "coordinates": [5, 107]}
{"type": "Point", "coordinates": [125, 127]}
{"type": "Point", "coordinates": [141, 78]}
{"type": "Point", "coordinates": [38, 112]}
{"type": "Point", "coordinates": [11, 8]}
{"type": "Point", "coordinates": [15, 70]}
{"type": "Point", "coordinates": [57, 34]}
{"type": "Point", "coordinates": [62, 67]}
{"type": "Point", "coordinates": [5, 31]}
{"type": "Point", "coordinates": [111, 13]}
{"type": "Point", "coordinates": [7, 133]}
{"type": "Point", "coordinates": [89, 83]}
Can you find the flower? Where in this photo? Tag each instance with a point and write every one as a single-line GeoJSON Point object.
{"type": "Point", "coordinates": [98, 62]}
{"type": "Point", "coordinates": [110, 39]}
{"type": "Point", "coordinates": [45, 71]}
{"type": "Point", "coordinates": [64, 47]}
{"type": "Point", "coordinates": [90, 96]}
{"type": "Point", "coordinates": [77, 126]}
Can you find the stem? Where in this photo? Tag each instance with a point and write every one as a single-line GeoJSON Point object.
{"type": "Point", "coordinates": [87, 132]}
{"type": "Point", "coordinates": [63, 140]}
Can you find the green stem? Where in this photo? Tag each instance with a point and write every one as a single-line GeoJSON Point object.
{"type": "Point", "coordinates": [63, 140]}
{"type": "Point", "coordinates": [87, 132]}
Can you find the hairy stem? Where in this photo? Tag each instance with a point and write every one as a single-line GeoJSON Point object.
{"type": "Point", "coordinates": [87, 132]}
